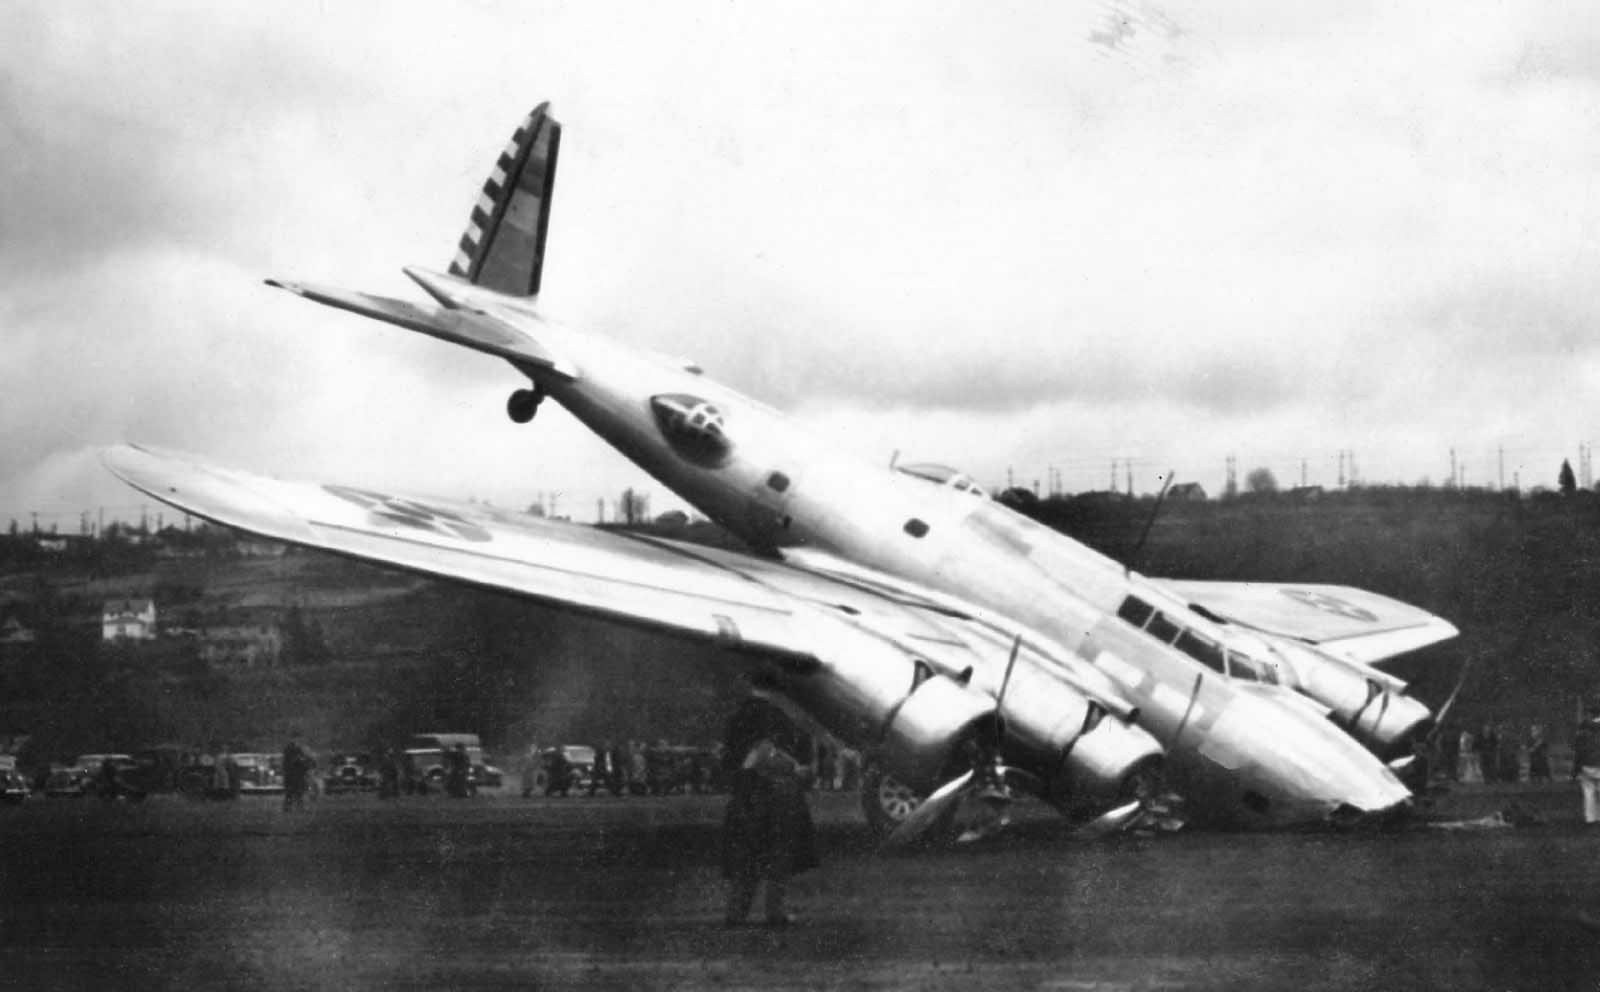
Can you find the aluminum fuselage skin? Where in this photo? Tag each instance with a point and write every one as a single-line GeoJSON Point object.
{"type": "Point", "coordinates": [1242, 754]}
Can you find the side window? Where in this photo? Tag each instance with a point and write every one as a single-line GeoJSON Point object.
{"type": "Point", "coordinates": [1203, 649]}
{"type": "Point", "coordinates": [1135, 610]}
{"type": "Point", "coordinates": [916, 528]}
{"type": "Point", "coordinates": [1245, 668]}
{"type": "Point", "coordinates": [1162, 628]}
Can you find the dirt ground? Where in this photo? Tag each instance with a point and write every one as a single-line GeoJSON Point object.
{"type": "Point", "coordinates": [501, 892]}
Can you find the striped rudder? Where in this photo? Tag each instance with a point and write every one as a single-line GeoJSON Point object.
{"type": "Point", "coordinates": [503, 248]}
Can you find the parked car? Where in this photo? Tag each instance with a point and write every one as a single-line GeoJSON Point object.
{"type": "Point", "coordinates": [258, 773]}
{"type": "Point", "coordinates": [350, 772]}
{"type": "Point", "coordinates": [81, 776]}
{"type": "Point", "coordinates": [13, 787]}
{"type": "Point", "coordinates": [424, 763]}
{"type": "Point", "coordinates": [561, 771]}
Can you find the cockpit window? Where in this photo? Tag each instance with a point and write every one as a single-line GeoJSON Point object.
{"type": "Point", "coordinates": [1162, 628]}
{"type": "Point", "coordinates": [1202, 649]}
{"type": "Point", "coordinates": [1242, 666]}
{"type": "Point", "coordinates": [1135, 610]}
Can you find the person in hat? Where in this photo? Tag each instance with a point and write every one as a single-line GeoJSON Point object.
{"type": "Point", "coordinates": [1586, 761]}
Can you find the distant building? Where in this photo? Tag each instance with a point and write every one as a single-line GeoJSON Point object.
{"type": "Point", "coordinates": [128, 619]}
{"type": "Point", "coordinates": [14, 631]}
{"type": "Point", "coordinates": [1187, 492]}
{"type": "Point", "coordinates": [255, 645]}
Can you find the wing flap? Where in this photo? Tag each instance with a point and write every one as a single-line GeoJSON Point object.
{"type": "Point", "coordinates": [1354, 624]}
{"type": "Point", "coordinates": [470, 329]}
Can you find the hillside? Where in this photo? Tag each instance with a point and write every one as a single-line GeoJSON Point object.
{"type": "Point", "coordinates": [370, 654]}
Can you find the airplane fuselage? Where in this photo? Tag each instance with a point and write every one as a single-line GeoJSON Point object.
{"type": "Point", "coordinates": [1243, 749]}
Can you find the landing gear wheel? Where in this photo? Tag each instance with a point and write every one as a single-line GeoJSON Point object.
{"type": "Point", "coordinates": [522, 404]}
{"type": "Point", "coordinates": [886, 800]}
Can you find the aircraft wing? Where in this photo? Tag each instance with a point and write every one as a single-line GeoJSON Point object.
{"type": "Point", "coordinates": [741, 602]}
{"type": "Point", "coordinates": [1358, 626]}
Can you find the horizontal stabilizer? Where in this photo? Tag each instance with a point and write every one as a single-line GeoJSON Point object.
{"type": "Point", "coordinates": [1359, 626]}
{"type": "Point", "coordinates": [470, 329]}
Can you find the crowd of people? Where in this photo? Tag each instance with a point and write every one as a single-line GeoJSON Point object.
{"type": "Point", "coordinates": [1496, 751]}
{"type": "Point", "coordinates": [636, 768]}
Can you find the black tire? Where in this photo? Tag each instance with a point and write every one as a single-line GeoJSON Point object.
{"type": "Point", "coordinates": [885, 800]}
{"type": "Point", "coordinates": [522, 404]}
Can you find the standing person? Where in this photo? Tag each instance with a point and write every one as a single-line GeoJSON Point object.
{"type": "Point", "coordinates": [1470, 773]}
{"type": "Point", "coordinates": [638, 768]}
{"type": "Point", "coordinates": [768, 834]}
{"type": "Point", "coordinates": [1586, 761]}
{"type": "Point", "coordinates": [297, 765]}
{"type": "Point", "coordinates": [458, 771]}
{"type": "Point", "coordinates": [1538, 754]}
{"type": "Point", "coordinates": [532, 764]}
{"type": "Point", "coordinates": [600, 771]}
{"type": "Point", "coordinates": [619, 773]}
{"type": "Point", "coordinates": [1507, 756]}
{"type": "Point", "coordinates": [1488, 748]}
{"type": "Point", "coordinates": [389, 775]}
{"type": "Point", "coordinates": [1450, 755]}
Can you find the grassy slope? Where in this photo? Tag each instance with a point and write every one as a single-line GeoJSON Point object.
{"type": "Point", "coordinates": [405, 654]}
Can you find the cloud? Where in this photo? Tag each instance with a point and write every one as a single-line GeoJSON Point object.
{"type": "Point", "coordinates": [1121, 231]}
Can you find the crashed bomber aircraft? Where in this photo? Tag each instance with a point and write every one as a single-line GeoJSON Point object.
{"type": "Point", "coordinates": [949, 638]}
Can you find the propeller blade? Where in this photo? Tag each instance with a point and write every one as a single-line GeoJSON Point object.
{"type": "Point", "coordinates": [1444, 711]}
{"type": "Point", "coordinates": [1111, 821]}
{"type": "Point", "coordinates": [933, 810]}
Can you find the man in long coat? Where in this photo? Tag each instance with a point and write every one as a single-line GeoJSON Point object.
{"type": "Point", "coordinates": [768, 834]}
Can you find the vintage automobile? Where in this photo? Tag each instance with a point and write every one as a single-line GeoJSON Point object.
{"type": "Point", "coordinates": [560, 771]}
{"type": "Point", "coordinates": [424, 763]}
{"type": "Point", "coordinates": [258, 773]}
{"type": "Point", "coordinates": [83, 777]}
{"type": "Point", "coordinates": [13, 787]}
{"type": "Point", "coordinates": [350, 771]}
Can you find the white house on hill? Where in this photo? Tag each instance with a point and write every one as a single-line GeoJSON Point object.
{"type": "Point", "coordinates": [129, 619]}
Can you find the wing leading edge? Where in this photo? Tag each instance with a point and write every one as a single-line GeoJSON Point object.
{"type": "Point", "coordinates": [750, 605]}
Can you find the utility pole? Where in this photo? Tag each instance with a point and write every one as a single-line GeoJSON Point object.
{"type": "Point", "coordinates": [1452, 468]}
{"type": "Point", "coordinates": [1500, 453]}
{"type": "Point", "coordinates": [1302, 473]}
{"type": "Point", "coordinates": [1341, 468]}
{"type": "Point", "coordinates": [1113, 486]}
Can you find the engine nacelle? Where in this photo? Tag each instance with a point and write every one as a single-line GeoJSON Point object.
{"type": "Point", "coordinates": [1383, 720]}
{"type": "Point", "coordinates": [872, 693]}
{"type": "Point", "coordinates": [1079, 748]}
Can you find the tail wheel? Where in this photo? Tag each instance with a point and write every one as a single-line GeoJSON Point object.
{"type": "Point", "coordinates": [522, 404]}
{"type": "Point", "coordinates": [886, 800]}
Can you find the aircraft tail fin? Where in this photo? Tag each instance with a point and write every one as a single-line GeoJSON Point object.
{"type": "Point", "coordinates": [503, 247]}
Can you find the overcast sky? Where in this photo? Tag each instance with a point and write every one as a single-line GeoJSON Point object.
{"type": "Point", "coordinates": [998, 236]}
